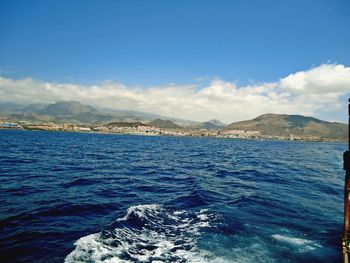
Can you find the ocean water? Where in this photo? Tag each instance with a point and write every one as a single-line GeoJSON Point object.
{"type": "Point", "coordinates": [73, 197]}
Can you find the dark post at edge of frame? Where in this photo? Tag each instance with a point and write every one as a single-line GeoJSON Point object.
{"type": "Point", "coordinates": [345, 239]}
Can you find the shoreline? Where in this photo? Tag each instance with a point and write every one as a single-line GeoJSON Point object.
{"type": "Point", "coordinates": [260, 138]}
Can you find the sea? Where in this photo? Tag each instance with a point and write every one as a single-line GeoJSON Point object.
{"type": "Point", "coordinates": [79, 197]}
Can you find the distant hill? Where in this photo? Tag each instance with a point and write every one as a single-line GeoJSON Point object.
{"type": "Point", "coordinates": [284, 125]}
{"type": "Point", "coordinates": [211, 125]}
{"type": "Point", "coordinates": [126, 124]}
{"type": "Point", "coordinates": [145, 116]}
{"type": "Point", "coordinates": [164, 124]}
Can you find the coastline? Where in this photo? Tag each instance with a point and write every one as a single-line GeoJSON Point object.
{"type": "Point", "coordinates": [217, 134]}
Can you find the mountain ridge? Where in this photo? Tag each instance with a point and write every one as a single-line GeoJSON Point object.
{"type": "Point", "coordinates": [271, 124]}
{"type": "Point", "coordinates": [76, 112]}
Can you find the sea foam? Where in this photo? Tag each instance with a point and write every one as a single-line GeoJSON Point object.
{"type": "Point", "coordinates": [147, 233]}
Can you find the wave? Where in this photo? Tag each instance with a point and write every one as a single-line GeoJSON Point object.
{"type": "Point", "coordinates": [147, 233]}
{"type": "Point", "coordinates": [81, 182]}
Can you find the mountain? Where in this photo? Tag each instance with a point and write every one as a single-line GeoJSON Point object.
{"type": "Point", "coordinates": [35, 108]}
{"type": "Point", "coordinates": [67, 108]}
{"type": "Point", "coordinates": [63, 111]}
{"type": "Point", "coordinates": [211, 125]}
{"type": "Point", "coordinates": [164, 124]}
{"type": "Point", "coordinates": [76, 112]}
{"type": "Point", "coordinates": [301, 126]}
{"type": "Point", "coordinates": [8, 107]}
{"type": "Point", "coordinates": [21, 108]}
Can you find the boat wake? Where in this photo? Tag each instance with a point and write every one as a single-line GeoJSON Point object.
{"type": "Point", "coordinates": [299, 244]}
{"type": "Point", "coordinates": [147, 233]}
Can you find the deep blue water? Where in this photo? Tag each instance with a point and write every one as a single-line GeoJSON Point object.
{"type": "Point", "coordinates": [108, 198]}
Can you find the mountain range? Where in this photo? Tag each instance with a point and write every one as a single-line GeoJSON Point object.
{"type": "Point", "coordinates": [76, 112]}
{"type": "Point", "coordinates": [266, 124]}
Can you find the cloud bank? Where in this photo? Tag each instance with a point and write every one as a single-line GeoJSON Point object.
{"type": "Point", "coordinates": [311, 92]}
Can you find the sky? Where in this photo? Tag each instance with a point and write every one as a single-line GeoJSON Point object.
{"type": "Point", "coordinates": [197, 60]}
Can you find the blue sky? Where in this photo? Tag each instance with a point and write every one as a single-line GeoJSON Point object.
{"type": "Point", "coordinates": [192, 59]}
{"type": "Point", "coordinates": [157, 42]}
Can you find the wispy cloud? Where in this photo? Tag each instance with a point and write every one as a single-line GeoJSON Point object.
{"type": "Point", "coordinates": [306, 92]}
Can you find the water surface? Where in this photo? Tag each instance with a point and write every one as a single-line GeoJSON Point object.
{"type": "Point", "coordinates": [77, 197]}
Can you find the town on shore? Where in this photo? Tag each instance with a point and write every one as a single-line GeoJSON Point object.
{"type": "Point", "coordinates": [144, 129]}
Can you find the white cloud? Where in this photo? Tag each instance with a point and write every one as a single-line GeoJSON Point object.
{"type": "Point", "coordinates": [327, 78]}
{"type": "Point", "coordinates": [317, 90]}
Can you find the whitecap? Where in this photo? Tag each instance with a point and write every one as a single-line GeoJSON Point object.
{"type": "Point", "coordinates": [147, 233]}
